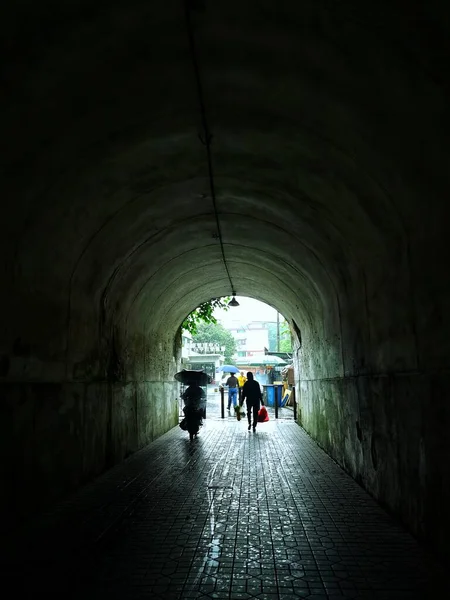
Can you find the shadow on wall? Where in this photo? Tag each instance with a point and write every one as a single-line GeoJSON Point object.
{"type": "Point", "coordinates": [56, 436]}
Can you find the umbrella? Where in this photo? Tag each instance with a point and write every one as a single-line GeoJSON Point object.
{"type": "Point", "coordinates": [229, 369]}
{"type": "Point", "coordinates": [188, 377]}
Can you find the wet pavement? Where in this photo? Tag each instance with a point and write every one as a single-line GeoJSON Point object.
{"type": "Point", "coordinates": [233, 514]}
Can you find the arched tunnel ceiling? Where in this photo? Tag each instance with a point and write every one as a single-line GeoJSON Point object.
{"type": "Point", "coordinates": [317, 152]}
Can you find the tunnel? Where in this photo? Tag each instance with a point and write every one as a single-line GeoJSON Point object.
{"type": "Point", "coordinates": [329, 124]}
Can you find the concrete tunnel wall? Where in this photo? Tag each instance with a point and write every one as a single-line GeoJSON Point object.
{"type": "Point", "coordinates": [330, 149]}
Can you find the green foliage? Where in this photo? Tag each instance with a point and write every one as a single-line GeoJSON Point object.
{"type": "Point", "coordinates": [286, 345]}
{"type": "Point", "coordinates": [217, 334]}
{"type": "Point", "coordinates": [285, 337]}
{"type": "Point", "coordinates": [204, 314]}
{"type": "Point", "coordinates": [272, 329]}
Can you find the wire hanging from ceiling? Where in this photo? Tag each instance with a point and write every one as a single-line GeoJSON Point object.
{"type": "Point", "coordinates": [207, 136]}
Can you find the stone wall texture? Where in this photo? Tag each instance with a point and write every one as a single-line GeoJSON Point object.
{"type": "Point", "coordinates": [56, 436]}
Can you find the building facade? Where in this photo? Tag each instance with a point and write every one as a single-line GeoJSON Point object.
{"type": "Point", "coordinates": [205, 356]}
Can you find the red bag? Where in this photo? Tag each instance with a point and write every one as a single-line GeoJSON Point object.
{"type": "Point", "coordinates": [263, 415]}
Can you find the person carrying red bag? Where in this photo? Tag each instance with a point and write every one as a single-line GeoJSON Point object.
{"type": "Point", "coordinates": [252, 393]}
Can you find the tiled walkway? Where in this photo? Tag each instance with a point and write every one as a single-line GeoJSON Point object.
{"type": "Point", "coordinates": [231, 515]}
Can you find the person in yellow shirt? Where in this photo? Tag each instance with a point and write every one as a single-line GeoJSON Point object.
{"type": "Point", "coordinates": [241, 380]}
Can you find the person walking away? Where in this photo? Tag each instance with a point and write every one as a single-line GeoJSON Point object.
{"type": "Point", "coordinates": [252, 393]}
{"type": "Point", "coordinates": [194, 398]}
{"type": "Point", "coordinates": [232, 384]}
{"type": "Point", "coordinates": [241, 380]}
{"type": "Point", "coordinates": [194, 408]}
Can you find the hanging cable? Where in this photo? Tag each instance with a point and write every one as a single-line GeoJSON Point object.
{"type": "Point", "coordinates": [206, 140]}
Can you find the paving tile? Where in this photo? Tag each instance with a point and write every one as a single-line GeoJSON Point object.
{"type": "Point", "coordinates": [230, 515]}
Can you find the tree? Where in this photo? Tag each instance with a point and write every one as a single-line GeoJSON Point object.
{"type": "Point", "coordinates": [272, 329]}
{"type": "Point", "coordinates": [216, 334]}
{"type": "Point", "coordinates": [285, 337]}
{"type": "Point", "coordinates": [286, 345]}
{"type": "Point", "coordinates": [204, 314]}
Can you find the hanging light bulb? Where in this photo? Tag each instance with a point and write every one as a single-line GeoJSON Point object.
{"type": "Point", "coordinates": [233, 301]}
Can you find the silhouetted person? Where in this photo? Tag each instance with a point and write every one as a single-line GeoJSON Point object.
{"type": "Point", "coordinates": [232, 384]}
{"type": "Point", "coordinates": [241, 380]}
{"type": "Point", "coordinates": [252, 393]}
{"type": "Point", "coordinates": [194, 397]}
